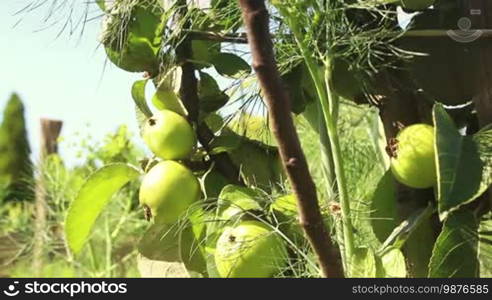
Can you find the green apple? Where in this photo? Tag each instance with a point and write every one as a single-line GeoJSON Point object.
{"type": "Point", "coordinates": [416, 4]}
{"type": "Point", "coordinates": [250, 249]}
{"type": "Point", "coordinates": [413, 161]}
{"type": "Point", "coordinates": [169, 135]}
{"type": "Point", "coordinates": [168, 190]}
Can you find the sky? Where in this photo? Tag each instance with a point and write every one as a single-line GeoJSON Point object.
{"type": "Point", "coordinates": [62, 76]}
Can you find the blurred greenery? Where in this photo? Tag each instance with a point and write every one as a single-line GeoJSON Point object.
{"type": "Point", "coordinates": [112, 247]}
{"type": "Point", "coordinates": [15, 164]}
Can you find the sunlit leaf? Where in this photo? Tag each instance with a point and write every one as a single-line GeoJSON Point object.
{"type": "Point", "coordinates": [485, 245]}
{"type": "Point", "coordinates": [91, 200]}
{"type": "Point", "coordinates": [455, 251]}
{"type": "Point", "coordinates": [138, 95]}
{"type": "Point", "coordinates": [393, 264]}
{"type": "Point", "coordinates": [192, 243]}
{"type": "Point", "coordinates": [363, 264]}
{"type": "Point", "coordinates": [464, 163]}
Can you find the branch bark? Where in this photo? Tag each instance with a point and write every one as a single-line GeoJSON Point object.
{"type": "Point", "coordinates": [188, 93]}
{"type": "Point", "coordinates": [256, 20]}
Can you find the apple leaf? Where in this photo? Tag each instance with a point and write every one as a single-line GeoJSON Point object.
{"type": "Point", "coordinates": [464, 163]}
{"type": "Point", "coordinates": [138, 95]}
{"type": "Point", "coordinates": [231, 65]}
{"type": "Point", "coordinates": [418, 249]}
{"type": "Point", "coordinates": [225, 143]}
{"type": "Point", "coordinates": [393, 264]}
{"type": "Point", "coordinates": [192, 244]}
{"type": "Point", "coordinates": [91, 200]}
{"type": "Point", "coordinates": [161, 243]}
{"type": "Point", "coordinates": [363, 263]}
{"type": "Point", "coordinates": [366, 166]}
{"type": "Point", "coordinates": [166, 98]}
{"type": "Point", "coordinates": [135, 49]}
{"type": "Point", "coordinates": [416, 237]}
{"type": "Point", "coordinates": [293, 81]}
{"type": "Point", "coordinates": [485, 246]}
{"type": "Point", "coordinates": [209, 93]}
{"type": "Point", "coordinates": [383, 202]}
{"type": "Point", "coordinates": [204, 51]}
{"type": "Point", "coordinates": [455, 251]}
{"type": "Point", "coordinates": [101, 4]}
{"type": "Point", "coordinates": [234, 200]}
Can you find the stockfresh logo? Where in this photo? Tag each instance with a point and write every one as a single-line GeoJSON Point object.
{"type": "Point", "coordinates": [12, 290]}
{"type": "Point", "coordinates": [465, 34]}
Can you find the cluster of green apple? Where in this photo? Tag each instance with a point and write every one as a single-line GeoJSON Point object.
{"type": "Point", "coordinates": [245, 248]}
{"type": "Point", "coordinates": [169, 188]}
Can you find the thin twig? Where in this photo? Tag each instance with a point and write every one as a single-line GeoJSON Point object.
{"type": "Point", "coordinates": [256, 20]}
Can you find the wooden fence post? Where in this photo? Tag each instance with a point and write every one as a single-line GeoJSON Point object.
{"type": "Point", "coordinates": [50, 131]}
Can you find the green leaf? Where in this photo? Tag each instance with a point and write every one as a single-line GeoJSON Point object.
{"type": "Point", "coordinates": [192, 244]}
{"type": "Point", "coordinates": [485, 245]}
{"type": "Point", "coordinates": [419, 242]}
{"type": "Point", "coordinates": [234, 200]}
{"type": "Point", "coordinates": [209, 93]}
{"type": "Point", "coordinates": [455, 251]}
{"type": "Point", "coordinates": [161, 243]}
{"type": "Point", "coordinates": [101, 4]}
{"type": "Point", "coordinates": [363, 263]}
{"type": "Point", "coordinates": [214, 121]}
{"type": "Point", "coordinates": [293, 84]}
{"type": "Point", "coordinates": [252, 126]}
{"type": "Point", "coordinates": [225, 143]}
{"type": "Point", "coordinates": [464, 164]}
{"type": "Point", "coordinates": [393, 264]}
{"type": "Point", "coordinates": [406, 228]}
{"type": "Point", "coordinates": [259, 164]}
{"type": "Point", "coordinates": [366, 167]}
{"type": "Point", "coordinates": [383, 215]}
{"type": "Point", "coordinates": [132, 42]}
{"type": "Point", "coordinates": [166, 98]}
{"type": "Point", "coordinates": [204, 51]}
{"type": "Point", "coordinates": [91, 200]}
{"type": "Point", "coordinates": [231, 65]}
{"type": "Point", "coordinates": [138, 95]}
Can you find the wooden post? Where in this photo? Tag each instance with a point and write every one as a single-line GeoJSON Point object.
{"type": "Point", "coordinates": [50, 131]}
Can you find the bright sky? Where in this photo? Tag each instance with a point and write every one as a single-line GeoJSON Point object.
{"type": "Point", "coordinates": [61, 77]}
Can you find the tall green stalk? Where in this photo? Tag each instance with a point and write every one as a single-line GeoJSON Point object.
{"type": "Point", "coordinates": [329, 103]}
